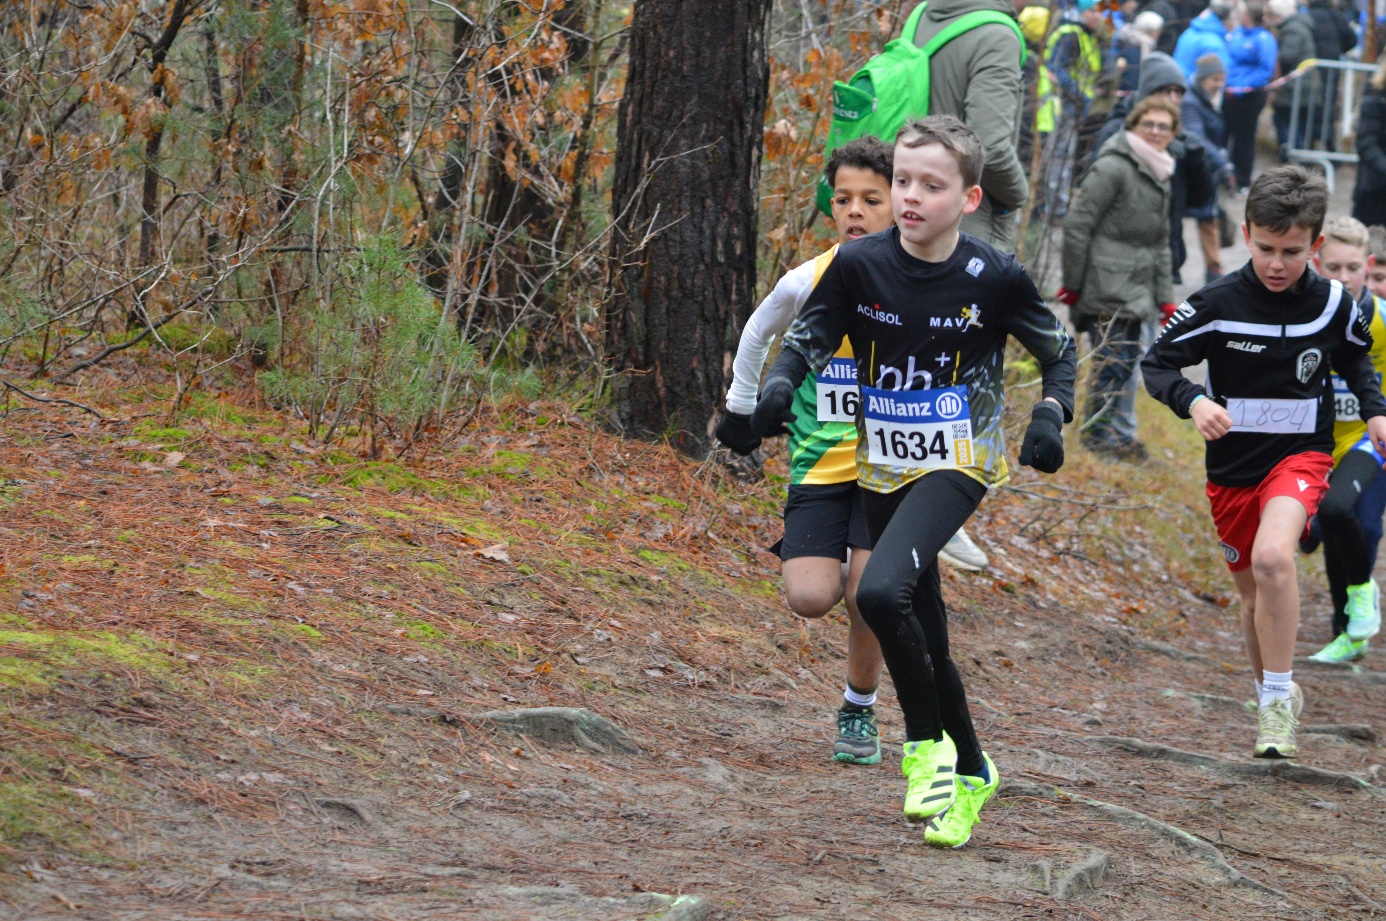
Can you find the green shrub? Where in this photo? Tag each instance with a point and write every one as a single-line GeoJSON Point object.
{"type": "Point", "coordinates": [377, 357]}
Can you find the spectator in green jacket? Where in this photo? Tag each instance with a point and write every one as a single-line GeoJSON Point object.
{"type": "Point", "coordinates": [1116, 262]}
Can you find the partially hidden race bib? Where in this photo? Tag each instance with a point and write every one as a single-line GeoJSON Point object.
{"type": "Point", "coordinates": [1273, 417]}
{"type": "Point", "coordinates": [1366, 445]}
{"type": "Point", "coordinates": [838, 397]}
{"type": "Point", "coordinates": [1346, 408]}
{"type": "Point", "coordinates": [922, 429]}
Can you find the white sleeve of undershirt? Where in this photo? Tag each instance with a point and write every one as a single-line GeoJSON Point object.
{"type": "Point", "coordinates": [769, 320]}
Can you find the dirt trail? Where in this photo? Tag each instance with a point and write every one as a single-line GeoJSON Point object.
{"type": "Point", "coordinates": [257, 693]}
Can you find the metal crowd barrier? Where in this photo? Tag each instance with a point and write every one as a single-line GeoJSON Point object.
{"type": "Point", "coordinates": [1313, 108]}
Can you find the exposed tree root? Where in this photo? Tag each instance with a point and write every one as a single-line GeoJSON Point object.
{"type": "Point", "coordinates": [1288, 770]}
{"type": "Point", "coordinates": [1340, 669]}
{"type": "Point", "coordinates": [1205, 698]}
{"type": "Point", "coordinates": [1358, 732]}
{"type": "Point", "coordinates": [564, 725]}
{"type": "Point", "coordinates": [1204, 850]}
{"type": "Point", "coordinates": [1173, 652]}
{"type": "Point", "coordinates": [1084, 876]}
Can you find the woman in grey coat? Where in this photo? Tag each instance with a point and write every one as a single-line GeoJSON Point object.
{"type": "Point", "coordinates": [1116, 264]}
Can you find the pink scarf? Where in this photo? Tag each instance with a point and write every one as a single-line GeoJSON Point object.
{"type": "Point", "coordinates": [1159, 161]}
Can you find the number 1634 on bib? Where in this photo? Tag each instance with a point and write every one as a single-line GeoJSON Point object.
{"type": "Point", "coordinates": [923, 429]}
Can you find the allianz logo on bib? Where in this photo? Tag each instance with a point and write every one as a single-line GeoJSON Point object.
{"type": "Point", "coordinates": [886, 406]}
{"type": "Point", "coordinates": [875, 313]}
{"type": "Point", "coordinates": [943, 404]}
{"type": "Point", "coordinates": [843, 370]}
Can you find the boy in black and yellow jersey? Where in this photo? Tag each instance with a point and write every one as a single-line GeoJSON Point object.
{"type": "Point", "coordinates": [1349, 517]}
{"type": "Point", "coordinates": [927, 311]}
{"type": "Point", "coordinates": [823, 517]}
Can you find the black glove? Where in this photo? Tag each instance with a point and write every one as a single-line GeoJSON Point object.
{"type": "Point", "coordinates": [734, 431]}
{"type": "Point", "coordinates": [772, 412]}
{"type": "Point", "coordinates": [1043, 447]}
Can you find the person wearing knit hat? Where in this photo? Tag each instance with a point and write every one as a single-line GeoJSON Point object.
{"type": "Point", "coordinates": [1201, 116]}
{"type": "Point", "coordinates": [1209, 65]}
{"type": "Point", "coordinates": [1034, 22]}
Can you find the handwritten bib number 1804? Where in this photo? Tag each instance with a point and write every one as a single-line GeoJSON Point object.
{"type": "Point", "coordinates": [921, 429]}
{"type": "Point", "coordinates": [1257, 414]}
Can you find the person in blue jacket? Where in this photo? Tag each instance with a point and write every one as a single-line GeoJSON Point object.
{"type": "Point", "coordinates": [1253, 52]}
{"type": "Point", "coordinates": [1207, 34]}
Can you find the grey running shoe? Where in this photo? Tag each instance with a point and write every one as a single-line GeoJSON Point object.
{"type": "Point", "coordinates": [858, 739]}
{"type": "Point", "coordinates": [1276, 725]}
{"type": "Point", "coordinates": [961, 552]}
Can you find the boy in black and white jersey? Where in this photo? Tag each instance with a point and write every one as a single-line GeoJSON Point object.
{"type": "Point", "coordinates": [927, 311]}
{"type": "Point", "coordinates": [1270, 333]}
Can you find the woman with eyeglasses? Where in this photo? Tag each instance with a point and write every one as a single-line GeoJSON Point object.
{"type": "Point", "coordinates": [1116, 263]}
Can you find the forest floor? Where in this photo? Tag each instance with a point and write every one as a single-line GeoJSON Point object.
{"type": "Point", "coordinates": [242, 676]}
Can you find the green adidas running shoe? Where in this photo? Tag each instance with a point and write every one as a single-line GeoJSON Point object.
{"type": "Point", "coordinates": [953, 828]}
{"type": "Point", "coordinates": [1363, 610]}
{"type": "Point", "coordinates": [858, 739]}
{"type": "Point", "coordinates": [1341, 649]}
{"type": "Point", "coordinates": [929, 767]}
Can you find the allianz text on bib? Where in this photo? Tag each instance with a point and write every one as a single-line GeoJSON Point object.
{"type": "Point", "coordinates": [922, 429]}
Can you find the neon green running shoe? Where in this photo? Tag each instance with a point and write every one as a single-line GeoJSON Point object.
{"type": "Point", "coordinates": [953, 828]}
{"type": "Point", "coordinates": [1341, 649]}
{"type": "Point", "coordinates": [858, 739]}
{"type": "Point", "coordinates": [929, 767]}
{"type": "Point", "coordinates": [1275, 734]}
{"type": "Point", "coordinates": [1363, 610]}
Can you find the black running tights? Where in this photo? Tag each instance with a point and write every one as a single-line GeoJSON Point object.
{"type": "Point", "coordinates": [1347, 560]}
{"type": "Point", "coordinates": [901, 600]}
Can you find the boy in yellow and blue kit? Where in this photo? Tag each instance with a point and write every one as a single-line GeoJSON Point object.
{"type": "Point", "coordinates": [824, 522]}
{"type": "Point", "coordinates": [1349, 518]}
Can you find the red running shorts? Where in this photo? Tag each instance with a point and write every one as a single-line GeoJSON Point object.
{"type": "Point", "coordinates": [1237, 509]}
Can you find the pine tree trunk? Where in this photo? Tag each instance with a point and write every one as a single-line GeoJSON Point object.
{"type": "Point", "coordinates": [689, 140]}
{"type": "Point", "coordinates": [151, 211]}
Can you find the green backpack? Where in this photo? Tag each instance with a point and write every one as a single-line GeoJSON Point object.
{"type": "Point", "coordinates": [893, 87]}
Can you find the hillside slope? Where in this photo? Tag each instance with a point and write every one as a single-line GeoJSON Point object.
{"type": "Point", "coordinates": [243, 677]}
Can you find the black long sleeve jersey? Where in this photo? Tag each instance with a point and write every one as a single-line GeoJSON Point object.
{"type": "Point", "coordinates": [916, 325]}
{"type": "Point", "coordinates": [1269, 355]}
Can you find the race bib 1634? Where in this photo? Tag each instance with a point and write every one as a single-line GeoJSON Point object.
{"type": "Point", "coordinates": [924, 429]}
